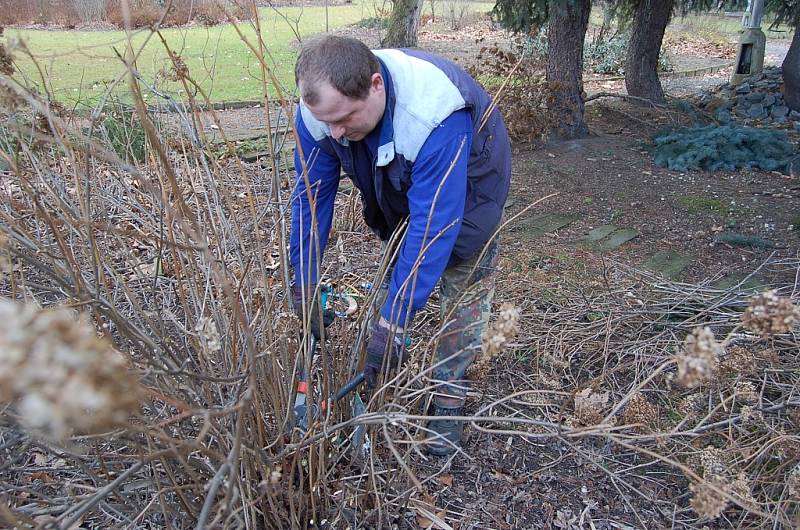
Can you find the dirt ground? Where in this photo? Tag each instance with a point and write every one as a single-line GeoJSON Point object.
{"type": "Point", "coordinates": [723, 230]}
{"type": "Point", "coordinates": [606, 179]}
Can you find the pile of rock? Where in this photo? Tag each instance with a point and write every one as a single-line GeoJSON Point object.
{"type": "Point", "coordinates": [757, 100]}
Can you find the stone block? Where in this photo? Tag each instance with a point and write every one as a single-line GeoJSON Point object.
{"type": "Point", "coordinates": [779, 111]}
{"type": "Point", "coordinates": [757, 111]}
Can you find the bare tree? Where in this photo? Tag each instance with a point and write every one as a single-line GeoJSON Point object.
{"type": "Point", "coordinates": [90, 10]}
{"type": "Point", "coordinates": [403, 24]}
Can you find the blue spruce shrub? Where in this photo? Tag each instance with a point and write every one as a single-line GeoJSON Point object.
{"type": "Point", "coordinates": [722, 147]}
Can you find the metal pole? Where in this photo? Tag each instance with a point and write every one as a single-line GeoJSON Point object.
{"type": "Point", "coordinates": [746, 14]}
{"type": "Point", "coordinates": [756, 14]}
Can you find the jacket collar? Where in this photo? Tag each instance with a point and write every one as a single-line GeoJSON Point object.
{"type": "Point", "coordinates": [386, 136]}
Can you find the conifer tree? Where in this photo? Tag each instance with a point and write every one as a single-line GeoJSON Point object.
{"type": "Point", "coordinates": [648, 20]}
{"type": "Point", "coordinates": [788, 12]}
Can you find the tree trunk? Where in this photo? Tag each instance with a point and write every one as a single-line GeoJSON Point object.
{"type": "Point", "coordinates": [43, 18]}
{"type": "Point", "coordinates": [791, 73]}
{"type": "Point", "coordinates": [403, 24]}
{"type": "Point", "coordinates": [566, 29]}
{"type": "Point", "coordinates": [641, 66]}
{"type": "Point", "coordinates": [608, 19]}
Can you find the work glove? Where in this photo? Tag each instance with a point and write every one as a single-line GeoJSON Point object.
{"type": "Point", "coordinates": [318, 322]}
{"type": "Point", "coordinates": [385, 342]}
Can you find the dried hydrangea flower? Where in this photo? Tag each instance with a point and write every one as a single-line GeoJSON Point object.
{"type": "Point", "coordinates": [706, 500]}
{"type": "Point", "coordinates": [61, 377]}
{"type": "Point", "coordinates": [208, 333]}
{"type": "Point", "coordinates": [768, 314]}
{"type": "Point", "coordinates": [691, 407]}
{"type": "Point", "coordinates": [793, 482]}
{"type": "Point", "coordinates": [709, 500]}
{"type": "Point", "coordinates": [589, 406]}
{"type": "Point", "coordinates": [640, 412]}
{"type": "Point", "coordinates": [699, 361]}
{"type": "Point", "coordinates": [501, 331]}
{"type": "Point", "coordinates": [495, 339]}
{"type": "Point", "coordinates": [712, 461]}
{"type": "Point", "coordinates": [745, 391]}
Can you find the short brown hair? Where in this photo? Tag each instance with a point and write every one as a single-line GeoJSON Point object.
{"type": "Point", "coordinates": [346, 64]}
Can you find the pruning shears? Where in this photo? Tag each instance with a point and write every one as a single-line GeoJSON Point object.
{"type": "Point", "coordinates": [305, 414]}
{"type": "Point", "coordinates": [301, 406]}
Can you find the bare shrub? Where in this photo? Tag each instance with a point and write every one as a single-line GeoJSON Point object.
{"type": "Point", "coordinates": [180, 265]}
{"type": "Point", "coordinates": [90, 10]}
{"type": "Point", "coordinates": [210, 15]}
{"type": "Point", "coordinates": [147, 13]}
{"type": "Point", "coordinates": [455, 12]}
{"type": "Point", "coordinates": [732, 439]}
{"type": "Point", "coordinates": [142, 14]}
{"type": "Point", "coordinates": [57, 12]}
{"type": "Point", "coordinates": [20, 12]}
{"type": "Point", "coordinates": [523, 95]}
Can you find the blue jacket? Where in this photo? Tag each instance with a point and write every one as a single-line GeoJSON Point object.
{"type": "Point", "coordinates": [403, 170]}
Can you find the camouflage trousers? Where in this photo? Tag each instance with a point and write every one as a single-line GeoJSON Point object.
{"type": "Point", "coordinates": [467, 291]}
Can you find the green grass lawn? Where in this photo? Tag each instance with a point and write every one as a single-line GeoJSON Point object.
{"type": "Point", "coordinates": [81, 65]}
{"type": "Point", "coordinates": [712, 26]}
{"type": "Point", "coordinates": [723, 29]}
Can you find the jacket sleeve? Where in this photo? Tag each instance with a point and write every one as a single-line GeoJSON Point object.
{"type": "Point", "coordinates": [309, 234]}
{"type": "Point", "coordinates": [436, 205]}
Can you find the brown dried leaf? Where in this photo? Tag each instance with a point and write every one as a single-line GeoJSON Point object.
{"type": "Point", "coordinates": [428, 517]}
{"type": "Point", "coordinates": [589, 401]}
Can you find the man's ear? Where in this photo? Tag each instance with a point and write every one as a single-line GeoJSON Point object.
{"type": "Point", "coordinates": [376, 81]}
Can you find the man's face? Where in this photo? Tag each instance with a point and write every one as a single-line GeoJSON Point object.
{"type": "Point", "coordinates": [347, 117]}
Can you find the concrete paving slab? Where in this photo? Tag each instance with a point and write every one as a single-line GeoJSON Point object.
{"type": "Point", "coordinates": [751, 284]}
{"type": "Point", "coordinates": [542, 224]}
{"type": "Point", "coordinates": [596, 234]}
{"type": "Point", "coordinates": [668, 263]}
{"type": "Point", "coordinates": [617, 239]}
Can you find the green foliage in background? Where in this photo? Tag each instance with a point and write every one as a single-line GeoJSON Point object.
{"type": "Point", "coordinates": [607, 56]}
{"type": "Point", "coordinates": [124, 134]}
{"type": "Point", "coordinates": [726, 148]}
{"type": "Point", "coordinates": [373, 23]}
